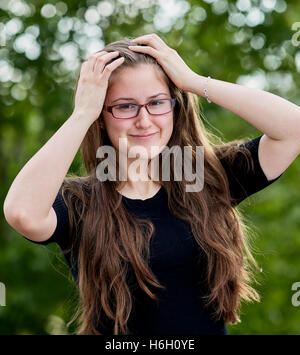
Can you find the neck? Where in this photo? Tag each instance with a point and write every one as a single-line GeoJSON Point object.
{"type": "Point", "coordinates": [138, 184]}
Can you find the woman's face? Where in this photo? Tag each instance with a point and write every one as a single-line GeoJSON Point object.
{"type": "Point", "coordinates": [137, 85]}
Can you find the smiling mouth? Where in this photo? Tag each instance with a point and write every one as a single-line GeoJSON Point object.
{"type": "Point", "coordinates": [144, 136]}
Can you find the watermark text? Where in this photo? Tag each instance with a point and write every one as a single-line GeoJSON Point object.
{"type": "Point", "coordinates": [134, 164]}
{"type": "Point", "coordinates": [2, 294]}
{"type": "Point", "coordinates": [296, 295]}
{"type": "Point", "coordinates": [296, 36]}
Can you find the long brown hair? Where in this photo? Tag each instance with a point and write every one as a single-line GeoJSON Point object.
{"type": "Point", "coordinates": [110, 241]}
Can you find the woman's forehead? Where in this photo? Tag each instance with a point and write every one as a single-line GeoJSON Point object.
{"type": "Point", "coordinates": [137, 81]}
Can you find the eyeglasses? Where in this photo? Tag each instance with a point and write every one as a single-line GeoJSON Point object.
{"type": "Point", "coordinates": [129, 110]}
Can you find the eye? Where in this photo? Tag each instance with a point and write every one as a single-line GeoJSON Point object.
{"type": "Point", "coordinates": [156, 102]}
{"type": "Point", "coordinates": [125, 106]}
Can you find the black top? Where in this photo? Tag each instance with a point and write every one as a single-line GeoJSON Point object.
{"type": "Point", "coordinates": [175, 257]}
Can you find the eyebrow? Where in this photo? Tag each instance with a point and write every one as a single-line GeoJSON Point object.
{"type": "Point", "coordinates": [130, 98]}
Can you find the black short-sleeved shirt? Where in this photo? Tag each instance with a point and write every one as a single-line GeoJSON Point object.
{"type": "Point", "coordinates": [175, 257]}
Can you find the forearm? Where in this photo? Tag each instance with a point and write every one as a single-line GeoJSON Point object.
{"type": "Point", "coordinates": [276, 117]}
{"type": "Point", "coordinates": [34, 189]}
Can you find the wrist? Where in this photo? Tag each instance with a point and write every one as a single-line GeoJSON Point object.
{"type": "Point", "coordinates": [78, 116]}
{"type": "Point", "coordinates": [199, 85]}
{"type": "Point", "coordinates": [196, 84]}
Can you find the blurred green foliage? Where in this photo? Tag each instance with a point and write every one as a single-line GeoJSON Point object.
{"type": "Point", "coordinates": [42, 45]}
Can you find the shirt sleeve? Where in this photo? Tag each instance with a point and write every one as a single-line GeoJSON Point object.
{"type": "Point", "coordinates": [244, 181]}
{"type": "Point", "coordinates": [61, 234]}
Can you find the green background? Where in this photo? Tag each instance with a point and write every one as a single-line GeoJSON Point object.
{"type": "Point", "coordinates": [42, 45]}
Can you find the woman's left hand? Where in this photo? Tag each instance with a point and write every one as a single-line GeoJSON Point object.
{"type": "Point", "coordinates": [167, 57]}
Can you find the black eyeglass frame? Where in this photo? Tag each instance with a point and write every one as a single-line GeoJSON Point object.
{"type": "Point", "coordinates": [139, 106]}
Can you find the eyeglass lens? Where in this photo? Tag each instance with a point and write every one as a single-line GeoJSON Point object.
{"type": "Point", "coordinates": [155, 107]}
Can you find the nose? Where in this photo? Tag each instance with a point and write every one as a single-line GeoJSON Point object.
{"type": "Point", "coordinates": [143, 119]}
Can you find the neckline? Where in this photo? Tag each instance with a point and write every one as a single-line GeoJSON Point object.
{"type": "Point", "coordinates": [150, 207]}
{"type": "Point", "coordinates": [139, 200]}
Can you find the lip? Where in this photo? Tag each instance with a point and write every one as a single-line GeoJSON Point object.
{"type": "Point", "coordinates": [143, 136]}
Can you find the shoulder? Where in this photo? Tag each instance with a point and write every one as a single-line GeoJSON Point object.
{"type": "Point", "coordinates": [243, 169]}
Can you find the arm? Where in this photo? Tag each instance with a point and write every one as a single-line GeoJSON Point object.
{"type": "Point", "coordinates": [28, 204]}
{"type": "Point", "coordinates": [276, 117]}
{"type": "Point", "coordinates": [33, 191]}
{"type": "Point", "coordinates": [244, 182]}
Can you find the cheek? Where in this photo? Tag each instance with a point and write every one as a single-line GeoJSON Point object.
{"type": "Point", "coordinates": [167, 126]}
{"type": "Point", "coordinates": [116, 130]}
{"type": "Point", "coordinates": [118, 127]}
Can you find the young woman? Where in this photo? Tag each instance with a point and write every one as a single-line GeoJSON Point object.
{"type": "Point", "coordinates": [148, 257]}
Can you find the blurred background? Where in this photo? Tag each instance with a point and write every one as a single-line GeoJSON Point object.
{"type": "Point", "coordinates": [42, 45]}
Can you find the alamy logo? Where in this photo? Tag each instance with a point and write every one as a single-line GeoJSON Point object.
{"type": "Point", "coordinates": [296, 36]}
{"type": "Point", "coordinates": [138, 169]}
{"type": "Point", "coordinates": [2, 35]}
{"type": "Point", "coordinates": [296, 295]}
{"type": "Point", "coordinates": [2, 294]}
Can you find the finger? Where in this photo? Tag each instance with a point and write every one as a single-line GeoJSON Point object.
{"type": "Point", "coordinates": [97, 54]}
{"type": "Point", "coordinates": [101, 60]}
{"type": "Point", "coordinates": [145, 49]}
{"type": "Point", "coordinates": [100, 53]}
{"type": "Point", "coordinates": [84, 67]}
{"type": "Point", "coordinates": [91, 59]}
{"type": "Point", "coordinates": [153, 39]}
{"type": "Point", "coordinates": [111, 67]}
{"type": "Point", "coordinates": [91, 63]}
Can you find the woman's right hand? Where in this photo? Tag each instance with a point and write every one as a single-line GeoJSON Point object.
{"type": "Point", "coordinates": [93, 82]}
